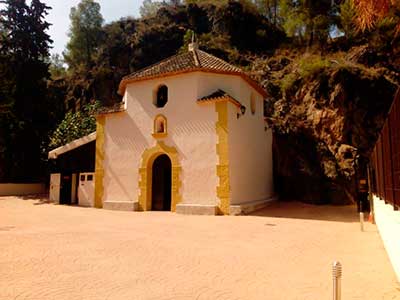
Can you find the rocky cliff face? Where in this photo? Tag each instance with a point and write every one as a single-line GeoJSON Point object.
{"type": "Point", "coordinates": [326, 114]}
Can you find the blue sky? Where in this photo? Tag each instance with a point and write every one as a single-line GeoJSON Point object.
{"type": "Point", "coordinates": [59, 16]}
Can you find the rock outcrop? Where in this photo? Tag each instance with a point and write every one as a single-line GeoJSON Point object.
{"type": "Point", "coordinates": [326, 115]}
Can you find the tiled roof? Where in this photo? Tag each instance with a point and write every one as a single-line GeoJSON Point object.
{"type": "Point", "coordinates": [190, 60]}
{"type": "Point", "coordinates": [117, 107]}
{"type": "Point", "coordinates": [219, 95]}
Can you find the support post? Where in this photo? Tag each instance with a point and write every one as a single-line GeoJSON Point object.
{"type": "Point", "coordinates": [371, 217]}
{"type": "Point", "coordinates": [361, 215]}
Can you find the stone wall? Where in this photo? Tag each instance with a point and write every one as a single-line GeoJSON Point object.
{"type": "Point", "coordinates": [21, 189]}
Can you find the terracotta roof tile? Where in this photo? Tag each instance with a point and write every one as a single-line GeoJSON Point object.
{"type": "Point", "coordinates": [219, 95]}
{"type": "Point", "coordinates": [117, 107]}
{"type": "Point", "coordinates": [190, 60]}
{"type": "Point", "coordinates": [193, 60]}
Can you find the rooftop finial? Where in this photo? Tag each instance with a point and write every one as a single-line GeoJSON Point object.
{"type": "Point", "coordinates": [193, 45]}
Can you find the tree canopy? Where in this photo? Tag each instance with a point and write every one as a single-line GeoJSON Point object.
{"type": "Point", "coordinates": [85, 33]}
{"type": "Point", "coordinates": [149, 8]}
{"type": "Point", "coordinates": [26, 114]}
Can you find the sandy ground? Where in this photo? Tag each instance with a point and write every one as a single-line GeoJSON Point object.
{"type": "Point", "coordinates": [282, 252]}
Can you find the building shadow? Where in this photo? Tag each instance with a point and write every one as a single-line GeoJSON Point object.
{"type": "Point", "coordinates": [39, 198]}
{"type": "Point", "coordinates": [298, 210]}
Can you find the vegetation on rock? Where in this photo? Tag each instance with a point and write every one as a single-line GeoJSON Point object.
{"type": "Point", "coordinates": [326, 116]}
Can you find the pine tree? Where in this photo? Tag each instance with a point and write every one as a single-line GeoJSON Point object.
{"type": "Point", "coordinates": [25, 30]}
{"type": "Point", "coordinates": [347, 16]}
{"type": "Point", "coordinates": [85, 34]}
{"type": "Point", "coordinates": [149, 8]}
{"type": "Point", "coordinates": [307, 20]}
{"type": "Point", "coordinates": [270, 9]}
{"type": "Point", "coordinates": [56, 68]}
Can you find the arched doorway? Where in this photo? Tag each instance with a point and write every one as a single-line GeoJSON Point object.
{"type": "Point", "coordinates": [146, 175]}
{"type": "Point", "coordinates": [161, 183]}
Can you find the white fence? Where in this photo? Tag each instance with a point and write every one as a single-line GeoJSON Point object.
{"type": "Point", "coordinates": [388, 222]}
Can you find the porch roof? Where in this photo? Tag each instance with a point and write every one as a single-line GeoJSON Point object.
{"type": "Point", "coordinates": [53, 154]}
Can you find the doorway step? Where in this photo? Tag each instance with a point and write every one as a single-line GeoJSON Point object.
{"type": "Point", "coordinates": [121, 205]}
{"type": "Point", "coordinates": [196, 209]}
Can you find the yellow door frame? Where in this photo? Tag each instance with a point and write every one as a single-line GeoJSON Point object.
{"type": "Point", "coordinates": [146, 175]}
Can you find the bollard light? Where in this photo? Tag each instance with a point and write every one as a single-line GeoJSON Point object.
{"type": "Point", "coordinates": [337, 277]}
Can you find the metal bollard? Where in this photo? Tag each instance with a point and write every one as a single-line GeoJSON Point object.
{"type": "Point", "coordinates": [337, 277]}
{"type": "Point", "coordinates": [362, 221]}
{"type": "Point", "coordinates": [361, 216]}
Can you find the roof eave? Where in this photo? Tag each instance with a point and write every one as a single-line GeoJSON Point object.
{"type": "Point", "coordinates": [220, 99]}
{"type": "Point", "coordinates": [53, 154]}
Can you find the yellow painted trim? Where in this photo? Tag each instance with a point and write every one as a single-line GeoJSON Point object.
{"type": "Point", "coordinates": [223, 189]}
{"type": "Point", "coordinates": [146, 175]}
{"type": "Point", "coordinates": [99, 171]}
{"type": "Point", "coordinates": [160, 134]}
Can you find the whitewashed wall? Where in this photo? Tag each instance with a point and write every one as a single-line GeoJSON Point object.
{"type": "Point", "coordinates": [191, 130]}
{"type": "Point", "coordinates": [250, 153]}
{"type": "Point", "coordinates": [250, 146]}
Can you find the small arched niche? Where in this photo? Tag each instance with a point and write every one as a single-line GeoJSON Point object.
{"type": "Point", "coordinates": [160, 126]}
{"type": "Point", "coordinates": [160, 97]}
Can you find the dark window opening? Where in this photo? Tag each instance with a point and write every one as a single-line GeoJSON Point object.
{"type": "Point", "coordinates": [90, 178]}
{"type": "Point", "coordinates": [161, 96]}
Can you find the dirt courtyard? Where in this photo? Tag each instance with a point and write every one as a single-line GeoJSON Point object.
{"type": "Point", "coordinates": [52, 252]}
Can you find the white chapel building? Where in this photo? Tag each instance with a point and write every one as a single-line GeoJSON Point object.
{"type": "Point", "coordinates": [189, 137]}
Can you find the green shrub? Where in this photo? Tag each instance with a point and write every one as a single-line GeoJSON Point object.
{"type": "Point", "coordinates": [311, 66]}
{"type": "Point", "coordinates": [288, 82]}
{"type": "Point", "coordinates": [75, 126]}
